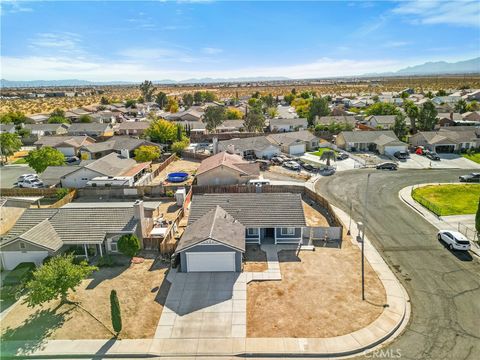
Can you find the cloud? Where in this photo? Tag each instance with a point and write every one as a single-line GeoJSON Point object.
{"type": "Point", "coordinates": [395, 44]}
{"type": "Point", "coordinates": [431, 12]}
{"type": "Point", "coordinates": [371, 26]}
{"type": "Point", "coordinates": [13, 6]}
{"type": "Point", "coordinates": [211, 50]}
{"type": "Point", "coordinates": [57, 43]}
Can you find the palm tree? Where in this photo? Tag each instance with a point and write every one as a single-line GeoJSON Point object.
{"type": "Point", "coordinates": [412, 112]}
{"type": "Point", "coordinates": [328, 155]}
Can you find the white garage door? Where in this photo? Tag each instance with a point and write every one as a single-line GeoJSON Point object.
{"type": "Point", "coordinates": [390, 150]}
{"type": "Point", "coordinates": [10, 259]}
{"type": "Point", "coordinates": [297, 149]}
{"type": "Point", "coordinates": [210, 261]}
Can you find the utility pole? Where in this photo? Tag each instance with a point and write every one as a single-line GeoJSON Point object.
{"type": "Point", "coordinates": [350, 221]}
{"type": "Point", "coordinates": [363, 236]}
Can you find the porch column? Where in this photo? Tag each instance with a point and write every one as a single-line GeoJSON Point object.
{"type": "Point", "coordinates": [85, 249]}
{"type": "Point", "coordinates": [275, 235]}
{"type": "Point", "coordinates": [100, 247]}
{"type": "Point", "coordinates": [301, 235]}
{"type": "Point", "coordinates": [259, 236]}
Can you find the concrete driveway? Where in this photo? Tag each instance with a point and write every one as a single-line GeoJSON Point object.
{"type": "Point", "coordinates": [204, 305]}
{"type": "Point", "coordinates": [447, 161]}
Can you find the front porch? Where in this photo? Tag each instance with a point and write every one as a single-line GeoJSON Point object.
{"type": "Point", "coordinates": [274, 236]}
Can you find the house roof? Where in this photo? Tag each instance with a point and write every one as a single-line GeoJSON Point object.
{"type": "Point", "coordinates": [455, 116]}
{"type": "Point", "coordinates": [217, 225]}
{"type": "Point", "coordinates": [88, 127]}
{"type": "Point", "coordinates": [231, 161]}
{"type": "Point", "coordinates": [117, 143]}
{"type": "Point", "coordinates": [289, 121]}
{"type": "Point", "coordinates": [291, 137]}
{"type": "Point", "coordinates": [112, 164]}
{"type": "Point", "coordinates": [45, 127]}
{"type": "Point", "coordinates": [451, 135]}
{"type": "Point", "coordinates": [52, 174]}
{"type": "Point", "coordinates": [7, 127]}
{"type": "Point", "coordinates": [134, 125]}
{"type": "Point", "coordinates": [326, 120]}
{"type": "Point", "coordinates": [369, 136]}
{"type": "Point", "coordinates": [75, 141]}
{"type": "Point", "coordinates": [71, 225]}
{"type": "Point", "coordinates": [253, 210]}
{"type": "Point", "coordinates": [382, 119]}
{"type": "Point", "coordinates": [231, 124]}
{"type": "Point", "coordinates": [257, 143]}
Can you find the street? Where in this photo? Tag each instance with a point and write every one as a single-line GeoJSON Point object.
{"type": "Point", "coordinates": [9, 174]}
{"type": "Point", "coordinates": [444, 286]}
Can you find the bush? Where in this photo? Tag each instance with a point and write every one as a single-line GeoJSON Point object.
{"type": "Point", "coordinates": [20, 274]}
{"type": "Point", "coordinates": [61, 193]}
{"type": "Point", "coordinates": [128, 245]}
{"type": "Point", "coordinates": [115, 312]}
{"type": "Point", "coordinates": [169, 193]}
{"type": "Point", "coordinates": [107, 261]}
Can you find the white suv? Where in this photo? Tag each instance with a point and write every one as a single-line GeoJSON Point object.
{"type": "Point", "coordinates": [30, 183]}
{"type": "Point", "coordinates": [454, 240]}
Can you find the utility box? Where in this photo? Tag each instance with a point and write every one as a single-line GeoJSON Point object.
{"type": "Point", "coordinates": [180, 196]}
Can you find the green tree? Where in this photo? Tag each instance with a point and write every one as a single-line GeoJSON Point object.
{"type": "Point", "coordinates": [477, 220]}
{"type": "Point", "coordinates": [187, 100]}
{"type": "Point", "coordinates": [129, 245]}
{"type": "Point", "coordinates": [289, 98]}
{"type": "Point", "coordinates": [23, 133]}
{"type": "Point", "coordinates": [375, 98]}
{"type": "Point", "coordinates": [427, 117]}
{"type": "Point", "coordinates": [429, 95]}
{"type": "Point", "coordinates": [381, 108]}
{"type": "Point", "coordinates": [441, 92]}
{"type": "Point", "coordinates": [268, 100]}
{"type": "Point", "coordinates": [233, 114]}
{"type": "Point", "coordinates": [178, 146]}
{"type": "Point", "coordinates": [318, 107]}
{"type": "Point", "coordinates": [272, 112]}
{"type": "Point", "coordinates": [255, 120]}
{"type": "Point", "coordinates": [210, 96]}
{"type": "Point", "coordinates": [404, 95]}
{"type": "Point", "coordinates": [131, 103]}
{"type": "Point", "coordinates": [104, 101]}
{"type": "Point", "coordinates": [147, 89]}
{"type": "Point", "coordinates": [473, 106]}
{"type": "Point", "coordinates": [115, 312]}
{"type": "Point", "coordinates": [327, 156]}
{"type": "Point", "coordinates": [172, 105]}
{"type": "Point", "coordinates": [55, 279]}
{"type": "Point", "coordinates": [412, 112]}
{"type": "Point", "coordinates": [162, 131]}
{"type": "Point", "coordinates": [58, 120]}
{"type": "Point", "coordinates": [198, 97]}
{"type": "Point", "coordinates": [44, 157]}
{"type": "Point", "coordinates": [13, 117]}
{"type": "Point", "coordinates": [213, 117]}
{"type": "Point", "coordinates": [461, 106]}
{"type": "Point", "coordinates": [400, 126]}
{"type": "Point", "coordinates": [9, 145]}
{"type": "Point", "coordinates": [57, 112]}
{"type": "Point", "coordinates": [146, 153]}
{"type": "Point", "coordinates": [161, 99]}
{"type": "Point", "coordinates": [85, 119]}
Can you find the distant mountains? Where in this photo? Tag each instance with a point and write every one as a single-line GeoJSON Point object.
{"type": "Point", "coordinates": [428, 68]}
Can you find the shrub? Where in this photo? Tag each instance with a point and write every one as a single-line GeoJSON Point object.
{"type": "Point", "coordinates": [129, 245]}
{"type": "Point", "coordinates": [106, 261]}
{"type": "Point", "coordinates": [20, 274]}
{"type": "Point", "coordinates": [115, 312]}
{"type": "Point", "coordinates": [169, 193]}
{"type": "Point", "coordinates": [61, 193]}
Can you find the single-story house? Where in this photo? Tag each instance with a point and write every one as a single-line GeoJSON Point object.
{"type": "Point", "coordinates": [286, 125]}
{"type": "Point", "coordinates": [252, 147]}
{"type": "Point", "coordinates": [294, 143]}
{"type": "Point", "coordinates": [38, 130]}
{"type": "Point", "coordinates": [74, 115]}
{"type": "Point", "coordinates": [384, 122]}
{"type": "Point", "coordinates": [385, 141]}
{"type": "Point", "coordinates": [91, 129]}
{"type": "Point", "coordinates": [226, 169]}
{"type": "Point", "coordinates": [37, 118]}
{"type": "Point", "coordinates": [123, 145]}
{"type": "Point", "coordinates": [231, 126]}
{"type": "Point", "coordinates": [471, 116]}
{"type": "Point", "coordinates": [448, 119]}
{"type": "Point", "coordinates": [136, 128]}
{"type": "Point", "coordinates": [7, 128]}
{"type": "Point", "coordinates": [67, 145]}
{"type": "Point", "coordinates": [39, 233]}
{"type": "Point", "coordinates": [220, 226]}
{"type": "Point", "coordinates": [112, 166]}
{"type": "Point", "coordinates": [327, 120]}
{"type": "Point", "coordinates": [187, 115]}
{"type": "Point", "coordinates": [448, 140]}
{"type": "Point", "coordinates": [105, 116]}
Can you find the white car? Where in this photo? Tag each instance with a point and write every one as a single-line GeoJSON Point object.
{"type": "Point", "coordinates": [30, 183]}
{"type": "Point", "coordinates": [27, 176]}
{"type": "Point", "coordinates": [454, 240]}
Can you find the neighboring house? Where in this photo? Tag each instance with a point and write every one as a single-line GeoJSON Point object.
{"type": "Point", "coordinates": [39, 130]}
{"type": "Point", "coordinates": [37, 118]}
{"type": "Point", "coordinates": [471, 116]}
{"type": "Point", "coordinates": [195, 127]}
{"type": "Point", "coordinates": [474, 95]}
{"type": "Point", "coordinates": [75, 114]}
{"type": "Point", "coordinates": [91, 129]}
{"type": "Point", "coordinates": [294, 143]}
{"type": "Point", "coordinates": [104, 117]}
{"type": "Point", "coordinates": [113, 166]}
{"type": "Point", "coordinates": [286, 112]}
{"type": "Point", "coordinates": [39, 233]}
{"type": "Point", "coordinates": [7, 128]}
{"type": "Point", "coordinates": [226, 169]}
{"type": "Point", "coordinates": [448, 119]}
{"type": "Point", "coordinates": [136, 128]}
{"type": "Point", "coordinates": [327, 120]}
{"type": "Point", "coordinates": [253, 147]}
{"type": "Point", "coordinates": [449, 99]}
{"type": "Point", "coordinates": [448, 140]}
{"type": "Point", "coordinates": [67, 145]}
{"type": "Point", "coordinates": [285, 125]}
{"type": "Point", "coordinates": [384, 122]}
{"type": "Point", "coordinates": [123, 145]}
{"type": "Point", "coordinates": [187, 115]}
{"type": "Point", "coordinates": [220, 226]}
{"type": "Point", "coordinates": [231, 126]}
{"type": "Point", "coordinates": [385, 142]}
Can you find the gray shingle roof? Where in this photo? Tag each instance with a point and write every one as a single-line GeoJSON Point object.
{"type": "Point", "coordinates": [43, 234]}
{"type": "Point", "coordinates": [326, 120]}
{"type": "Point", "coordinates": [253, 210]}
{"type": "Point", "coordinates": [88, 127]}
{"type": "Point", "coordinates": [289, 121]}
{"type": "Point", "coordinates": [117, 143]}
{"type": "Point", "coordinates": [257, 143]}
{"type": "Point", "coordinates": [368, 136]}
{"type": "Point", "coordinates": [112, 164]}
{"type": "Point", "coordinates": [291, 137]}
{"type": "Point", "coordinates": [216, 225]}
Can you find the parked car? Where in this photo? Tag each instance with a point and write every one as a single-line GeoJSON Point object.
{"type": "Point", "coordinates": [420, 150]}
{"type": "Point", "coordinates": [432, 155]}
{"type": "Point", "coordinates": [71, 160]}
{"type": "Point", "coordinates": [292, 165]}
{"type": "Point", "coordinates": [327, 171]}
{"type": "Point", "coordinates": [277, 160]}
{"type": "Point", "coordinates": [30, 183]}
{"type": "Point", "coordinates": [308, 167]}
{"type": "Point", "coordinates": [454, 240]}
{"type": "Point", "coordinates": [263, 164]}
{"type": "Point", "coordinates": [259, 182]}
{"type": "Point", "coordinates": [27, 176]}
{"type": "Point", "coordinates": [473, 177]}
{"type": "Point", "coordinates": [402, 155]}
{"type": "Point", "coordinates": [387, 166]}
{"type": "Point", "coordinates": [342, 156]}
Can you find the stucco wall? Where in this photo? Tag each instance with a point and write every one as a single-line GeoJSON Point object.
{"type": "Point", "coordinates": [221, 175]}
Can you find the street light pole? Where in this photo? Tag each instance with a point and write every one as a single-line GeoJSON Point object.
{"type": "Point", "coordinates": [350, 221]}
{"type": "Point", "coordinates": [363, 236]}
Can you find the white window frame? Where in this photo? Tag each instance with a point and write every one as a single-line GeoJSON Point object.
{"type": "Point", "coordinates": [112, 245]}
{"type": "Point", "coordinates": [289, 231]}
{"type": "Point", "coordinates": [23, 246]}
{"type": "Point", "coordinates": [252, 232]}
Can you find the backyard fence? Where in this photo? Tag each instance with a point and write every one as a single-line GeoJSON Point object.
{"type": "Point", "coordinates": [470, 233]}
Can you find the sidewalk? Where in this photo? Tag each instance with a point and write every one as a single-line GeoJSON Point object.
{"type": "Point", "coordinates": [405, 195]}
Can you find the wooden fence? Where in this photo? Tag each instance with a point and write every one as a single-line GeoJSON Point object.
{"type": "Point", "coordinates": [194, 155]}
{"type": "Point", "coordinates": [65, 200]}
{"type": "Point", "coordinates": [46, 192]}
{"type": "Point", "coordinates": [164, 164]}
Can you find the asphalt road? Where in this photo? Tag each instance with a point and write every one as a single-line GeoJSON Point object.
{"type": "Point", "coordinates": [9, 174]}
{"type": "Point", "coordinates": [444, 286]}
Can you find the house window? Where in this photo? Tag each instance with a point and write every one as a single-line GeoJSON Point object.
{"type": "Point", "coordinates": [287, 231]}
{"type": "Point", "coordinates": [252, 232]}
{"type": "Point", "coordinates": [113, 247]}
{"type": "Point", "coordinates": [23, 246]}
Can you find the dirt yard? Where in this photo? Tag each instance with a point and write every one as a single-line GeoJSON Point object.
{"type": "Point", "coordinates": [313, 217]}
{"type": "Point", "coordinates": [141, 290]}
{"type": "Point", "coordinates": [255, 259]}
{"type": "Point", "coordinates": [319, 296]}
{"type": "Point", "coordinates": [181, 165]}
{"type": "Point", "coordinates": [302, 175]}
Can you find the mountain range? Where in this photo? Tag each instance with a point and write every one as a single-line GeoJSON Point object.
{"type": "Point", "coordinates": [429, 68]}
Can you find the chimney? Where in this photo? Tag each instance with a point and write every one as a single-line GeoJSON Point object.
{"type": "Point", "coordinates": [125, 153]}
{"type": "Point", "coordinates": [139, 214]}
{"type": "Point", "coordinates": [215, 145]}
{"type": "Point", "coordinates": [231, 149]}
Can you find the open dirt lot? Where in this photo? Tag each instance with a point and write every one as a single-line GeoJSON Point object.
{"type": "Point", "coordinates": [318, 296]}
{"type": "Point", "coordinates": [181, 165]}
{"type": "Point", "coordinates": [141, 292]}
{"type": "Point", "coordinates": [255, 259]}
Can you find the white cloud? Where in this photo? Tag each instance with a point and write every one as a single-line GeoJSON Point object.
{"type": "Point", "coordinates": [60, 43]}
{"type": "Point", "coordinates": [211, 50]}
{"type": "Point", "coordinates": [459, 13]}
{"type": "Point", "coordinates": [395, 44]}
{"type": "Point", "coordinates": [13, 6]}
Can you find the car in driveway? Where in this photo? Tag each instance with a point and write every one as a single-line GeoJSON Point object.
{"type": "Point", "coordinates": [30, 183]}
{"type": "Point", "coordinates": [26, 176]}
{"type": "Point", "coordinates": [402, 155]}
{"type": "Point", "coordinates": [387, 166]}
{"type": "Point", "coordinates": [342, 156]}
{"type": "Point", "coordinates": [454, 240]}
{"type": "Point", "coordinates": [432, 155]}
{"type": "Point", "coordinates": [473, 177]}
{"type": "Point", "coordinates": [292, 165]}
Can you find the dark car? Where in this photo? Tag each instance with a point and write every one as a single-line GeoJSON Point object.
{"type": "Point", "coordinates": [277, 160]}
{"type": "Point", "coordinates": [433, 156]}
{"type": "Point", "coordinates": [307, 166]}
{"type": "Point", "coordinates": [401, 155]}
{"type": "Point", "coordinates": [387, 166]}
{"type": "Point", "coordinates": [327, 171]}
{"type": "Point", "coordinates": [72, 160]}
{"type": "Point", "coordinates": [473, 177]}
{"type": "Point", "coordinates": [342, 156]}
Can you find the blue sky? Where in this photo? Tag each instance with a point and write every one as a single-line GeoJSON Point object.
{"type": "Point", "coordinates": [126, 40]}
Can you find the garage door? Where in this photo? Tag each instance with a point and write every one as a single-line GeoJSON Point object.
{"type": "Point", "coordinates": [390, 150]}
{"type": "Point", "coordinates": [10, 259]}
{"type": "Point", "coordinates": [210, 261]}
{"type": "Point", "coordinates": [297, 149]}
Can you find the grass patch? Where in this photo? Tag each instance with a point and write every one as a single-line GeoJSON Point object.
{"type": "Point", "coordinates": [474, 157]}
{"type": "Point", "coordinates": [448, 199]}
{"type": "Point", "coordinates": [20, 161]}
{"type": "Point", "coordinates": [320, 151]}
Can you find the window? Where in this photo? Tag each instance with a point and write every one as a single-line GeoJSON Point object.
{"type": "Point", "coordinates": [252, 232]}
{"type": "Point", "coordinates": [287, 231]}
{"type": "Point", "coordinates": [113, 247]}
{"type": "Point", "coordinates": [23, 246]}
